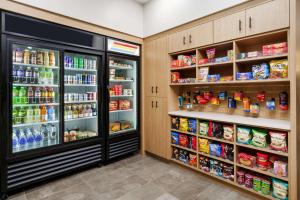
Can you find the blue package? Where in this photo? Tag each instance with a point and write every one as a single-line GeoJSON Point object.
{"type": "Point", "coordinates": [244, 76]}
{"type": "Point", "coordinates": [261, 71]}
{"type": "Point", "coordinates": [215, 150]}
{"type": "Point", "coordinates": [192, 125]}
{"type": "Point", "coordinates": [174, 138]}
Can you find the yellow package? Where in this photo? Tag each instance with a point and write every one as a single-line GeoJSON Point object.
{"type": "Point", "coordinates": [183, 125]}
{"type": "Point", "coordinates": [279, 69]}
{"type": "Point", "coordinates": [203, 145]}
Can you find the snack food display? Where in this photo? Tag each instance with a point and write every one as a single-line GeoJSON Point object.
{"type": "Point", "coordinates": [280, 189]}
{"type": "Point", "coordinates": [241, 177]}
{"type": "Point", "coordinates": [246, 159]}
{"type": "Point", "coordinates": [183, 156]}
{"type": "Point", "coordinates": [259, 138]}
{"type": "Point", "coordinates": [193, 160]}
{"type": "Point", "coordinates": [257, 183]}
{"type": "Point", "coordinates": [215, 150]}
{"type": "Point", "coordinates": [244, 135]}
{"type": "Point", "coordinates": [183, 140]}
{"type": "Point", "coordinates": [183, 124]}
{"type": "Point", "coordinates": [227, 151]}
{"type": "Point", "coordinates": [283, 101]}
{"type": "Point", "coordinates": [174, 138]}
{"type": "Point", "coordinates": [279, 69]}
{"type": "Point", "coordinates": [261, 71]}
{"type": "Point", "coordinates": [204, 163]}
{"type": "Point", "coordinates": [203, 128]}
{"type": "Point", "coordinates": [175, 153]}
{"type": "Point", "coordinates": [203, 145]}
{"type": "Point", "coordinates": [124, 104]}
{"type": "Point", "coordinates": [203, 73]}
{"type": "Point", "coordinates": [265, 186]}
{"type": "Point", "coordinates": [192, 142]}
{"type": "Point", "coordinates": [280, 168]}
{"type": "Point", "coordinates": [228, 132]}
{"type": "Point", "coordinates": [175, 123]}
{"type": "Point", "coordinates": [192, 125]}
{"type": "Point", "coordinates": [244, 76]}
{"type": "Point", "coordinates": [278, 141]}
{"type": "Point", "coordinates": [228, 172]}
{"type": "Point", "coordinates": [248, 180]}
{"type": "Point", "coordinates": [175, 76]}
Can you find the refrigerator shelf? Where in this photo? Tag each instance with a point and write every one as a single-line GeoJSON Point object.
{"type": "Point", "coordinates": [117, 96]}
{"type": "Point", "coordinates": [34, 85]}
{"type": "Point", "coordinates": [119, 111]}
{"type": "Point", "coordinates": [80, 70]}
{"type": "Point", "coordinates": [121, 131]}
{"type": "Point", "coordinates": [38, 66]}
{"type": "Point", "coordinates": [82, 85]}
{"type": "Point", "coordinates": [117, 67]}
{"type": "Point", "coordinates": [36, 104]}
{"type": "Point", "coordinates": [120, 81]}
{"type": "Point", "coordinates": [83, 118]}
{"type": "Point", "coordinates": [35, 124]}
{"type": "Point", "coordinates": [71, 102]}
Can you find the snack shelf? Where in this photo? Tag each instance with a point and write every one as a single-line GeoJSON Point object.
{"type": "Point", "coordinates": [34, 85]}
{"type": "Point", "coordinates": [81, 85]}
{"type": "Point", "coordinates": [35, 124]}
{"type": "Point", "coordinates": [267, 149]}
{"type": "Point", "coordinates": [37, 66]}
{"type": "Point", "coordinates": [120, 81]}
{"type": "Point", "coordinates": [184, 148]}
{"type": "Point", "coordinates": [267, 173]}
{"type": "Point", "coordinates": [89, 101]}
{"type": "Point", "coordinates": [119, 111]}
{"type": "Point", "coordinates": [218, 177]}
{"type": "Point", "coordinates": [120, 96]}
{"type": "Point", "coordinates": [182, 84]}
{"type": "Point", "coordinates": [260, 58]}
{"type": "Point", "coordinates": [275, 124]}
{"type": "Point", "coordinates": [258, 193]}
{"type": "Point", "coordinates": [80, 70]}
{"type": "Point", "coordinates": [184, 132]}
{"type": "Point", "coordinates": [216, 139]}
{"type": "Point", "coordinates": [118, 67]}
{"type": "Point", "coordinates": [36, 104]}
{"type": "Point", "coordinates": [183, 68]}
{"type": "Point", "coordinates": [216, 158]}
{"type": "Point", "coordinates": [216, 64]}
{"type": "Point", "coordinates": [184, 164]}
{"type": "Point", "coordinates": [82, 118]}
{"type": "Point", "coordinates": [121, 131]}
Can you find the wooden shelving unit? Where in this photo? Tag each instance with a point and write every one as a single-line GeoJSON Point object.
{"type": "Point", "coordinates": [271, 120]}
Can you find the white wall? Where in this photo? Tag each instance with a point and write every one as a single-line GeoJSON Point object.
{"type": "Point", "coordinates": [121, 15]}
{"type": "Point", "coordinates": [160, 15]}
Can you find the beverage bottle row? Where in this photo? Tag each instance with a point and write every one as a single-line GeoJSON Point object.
{"type": "Point", "coordinates": [33, 95]}
{"type": "Point", "coordinates": [32, 75]}
{"type": "Point", "coordinates": [80, 62]}
{"type": "Point", "coordinates": [88, 96]}
{"type": "Point", "coordinates": [35, 114]}
{"type": "Point", "coordinates": [34, 137]}
{"type": "Point", "coordinates": [34, 57]}
{"type": "Point", "coordinates": [80, 79]}
{"type": "Point", "coordinates": [80, 111]}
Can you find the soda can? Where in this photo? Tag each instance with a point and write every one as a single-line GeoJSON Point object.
{"type": "Point", "coordinates": [85, 63]}
{"type": "Point", "coordinates": [70, 62]}
{"type": "Point", "coordinates": [69, 81]}
{"type": "Point", "coordinates": [91, 64]}
{"type": "Point", "coordinates": [66, 79]}
{"type": "Point", "coordinates": [94, 64]}
{"type": "Point", "coordinates": [66, 61]}
{"type": "Point", "coordinates": [81, 97]}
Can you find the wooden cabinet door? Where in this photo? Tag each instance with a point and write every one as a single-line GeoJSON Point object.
{"type": "Point", "coordinates": [230, 27]}
{"type": "Point", "coordinates": [200, 35]}
{"type": "Point", "coordinates": [177, 41]}
{"type": "Point", "coordinates": [269, 16]}
{"type": "Point", "coordinates": [150, 69]}
{"type": "Point", "coordinates": [149, 124]}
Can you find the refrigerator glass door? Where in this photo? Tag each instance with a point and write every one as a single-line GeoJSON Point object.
{"type": "Point", "coordinates": [80, 96]}
{"type": "Point", "coordinates": [35, 97]}
{"type": "Point", "coordinates": [123, 95]}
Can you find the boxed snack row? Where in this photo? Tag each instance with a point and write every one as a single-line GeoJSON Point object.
{"type": "Point", "coordinates": [211, 57]}
{"type": "Point", "coordinates": [184, 140]}
{"type": "Point", "coordinates": [184, 124]}
{"type": "Point", "coordinates": [119, 125]}
{"type": "Point", "coordinates": [184, 156]}
{"type": "Point", "coordinates": [119, 105]}
{"type": "Point", "coordinates": [276, 140]}
{"type": "Point", "coordinates": [204, 76]}
{"type": "Point", "coordinates": [263, 184]}
{"type": "Point", "coordinates": [222, 150]}
{"type": "Point", "coordinates": [183, 61]}
{"type": "Point", "coordinates": [176, 78]}
{"type": "Point", "coordinates": [216, 167]}
{"type": "Point", "coordinates": [216, 129]}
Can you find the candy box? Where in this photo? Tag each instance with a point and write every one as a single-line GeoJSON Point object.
{"type": "Point", "coordinates": [174, 138]}
{"type": "Point", "coordinates": [253, 54]}
{"type": "Point", "coordinates": [183, 140]}
{"type": "Point", "coordinates": [246, 159]}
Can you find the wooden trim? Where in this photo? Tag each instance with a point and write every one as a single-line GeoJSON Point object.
{"type": "Point", "coordinates": [31, 11]}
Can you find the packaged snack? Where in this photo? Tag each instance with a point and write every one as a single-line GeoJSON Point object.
{"type": "Point", "coordinates": [213, 77]}
{"type": "Point", "coordinates": [259, 138]}
{"type": "Point", "coordinates": [246, 104]}
{"type": "Point", "coordinates": [244, 76]}
{"type": "Point", "coordinates": [192, 142]}
{"type": "Point", "coordinates": [183, 140]}
{"type": "Point", "coordinates": [238, 96]}
{"type": "Point", "coordinates": [215, 150]}
{"type": "Point", "coordinates": [175, 139]}
{"type": "Point", "coordinates": [228, 172]}
{"type": "Point", "coordinates": [203, 145]}
{"type": "Point", "coordinates": [183, 156]}
{"type": "Point", "coordinates": [219, 169]}
{"type": "Point", "coordinates": [192, 125]}
{"type": "Point", "coordinates": [124, 104]}
{"type": "Point", "coordinates": [261, 96]}
{"type": "Point", "coordinates": [193, 160]}
{"type": "Point", "coordinates": [215, 167]}
{"type": "Point", "coordinates": [248, 181]}
{"type": "Point", "coordinates": [279, 69]}
{"type": "Point", "coordinates": [244, 135]}
{"type": "Point", "coordinates": [203, 73]}
{"type": "Point", "coordinates": [254, 108]}
{"type": "Point", "coordinates": [175, 123]}
{"type": "Point", "coordinates": [203, 128]}
{"type": "Point", "coordinates": [210, 53]}
{"type": "Point", "coordinates": [204, 163]}
{"type": "Point", "coordinates": [265, 186]}
{"type": "Point", "coordinates": [175, 76]}
{"type": "Point", "coordinates": [125, 124]}
{"type": "Point", "coordinates": [215, 101]}
{"type": "Point", "coordinates": [253, 54]}
{"type": "Point", "coordinates": [174, 63]}
{"type": "Point", "coordinates": [227, 151]}
{"type": "Point", "coordinates": [183, 124]}
{"type": "Point", "coordinates": [270, 104]}
{"type": "Point", "coordinates": [187, 60]}
{"type": "Point", "coordinates": [228, 132]}
{"type": "Point", "coordinates": [241, 177]}
{"type": "Point", "coordinates": [283, 101]}
{"type": "Point", "coordinates": [246, 159]}
{"type": "Point", "coordinates": [223, 95]}
{"type": "Point", "coordinates": [202, 61]}
{"type": "Point", "coordinates": [175, 153]}
{"type": "Point", "coordinates": [278, 141]}
{"type": "Point", "coordinates": [280, 189]}
{"type": "Point", "coordinates": [242, 56]}
{"type": "Point", "coordinates": [264, 166]}
{"type": "Point", "coordinates": [280, 168]}
{"type": "Point", "coordinates": [226, 78]}
{"type": "Point", "coordinates": [231, 103]}
{"type": "Point", "coordinates": [207, 95]}
{"type": "Point", "coordinates": [256, 183]}
{"type": "Point", "coordinates": [210, 129]}
{"type": "Point", "coordinates": [217, 129]}
{"type": "Point", "coordinates": [114, 126]}
{"type": "Point", "coordinates": [261, 71]}
{"type": "Point", "coordinates": [230, 55]}
{"type": "Point", "coordinates": [113, 105]}
{"type": "Point", "coordinates": [262, 157]}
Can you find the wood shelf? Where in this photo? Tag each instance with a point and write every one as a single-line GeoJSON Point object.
{"type": "Point", "coordinates": [216, 64]}
{"type": "Point", "coordinates": [215, 139]}
{"type": "Point", "coordinates": [236, 119]}
{"type": "Point", "coordinates": [267, 173]}
{"type": "Point", "coordinates": [217, 158]}
{"type": "Point", "coordinates": [260, 58]}
{"type": "Point", "coordinates": [184, 148]}
{"type": "Point", "coordinates": [183, 68]}
{"type": "Point", "coordinates": [188, 133]}
{"type": "Point", "coordinates": [267, 149]}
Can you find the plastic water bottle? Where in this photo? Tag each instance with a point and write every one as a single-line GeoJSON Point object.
{"type": "Point", "coordinates": [22, 139]}
{"type": "Point", "coordinates": [53, 134]}
{"type": "Point", "coordinates": [38, 137]}
{"type": "Point", "coordinates": [29, 138]}
{"type": "Point", "coordinates": [15, 141]}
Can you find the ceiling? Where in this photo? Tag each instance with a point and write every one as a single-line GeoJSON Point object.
{"type": "Point", "coordinates": [142, 1]}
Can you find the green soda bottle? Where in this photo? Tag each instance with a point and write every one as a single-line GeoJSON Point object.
{"type": "Point", "coordinates": [16, 99]}
{"type": "Point", "coordinates": [14, 116]}
{"type": "Point", "coordinates": [21, 115]}
{"type": "Point", "coordinates": [23, 95]}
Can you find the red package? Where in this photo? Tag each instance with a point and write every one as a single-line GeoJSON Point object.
{"type": "Point", "coordinates": [262, 157]}
{"type": "Point", "coordinates": [180, 63]}
{"type": "Point", "coordinates": [183, 140]}
{"type": "Point", "coordinates": [246, 159]}
{"type": "Point", "coordinates": [174, 63]}
{"type": "Point", "coordinates": [175, 76]}
{"type": "Point", "coordinates": [202, 61]}
{"type": "Point", "coordinates": [118, 89]}
{"type": "Point", "coordinates": [207, 95]}
{"type": "Point", "coordinates": [194, 143]}
{"type": "Point", "coordinates": [279, 51]}
{"type": "Point", "coordinates": [278, 141]}
{"type": "Point", "coordinates": [210, 130]}
{"type": "Point", "coordinates": [261, 96]}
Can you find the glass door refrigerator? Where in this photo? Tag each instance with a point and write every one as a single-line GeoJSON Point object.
{"type": "Point", "coordinates": [123, 66]}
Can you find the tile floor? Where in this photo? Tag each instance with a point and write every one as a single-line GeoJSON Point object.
{"type": "Point", "coordinates": [135, 178]}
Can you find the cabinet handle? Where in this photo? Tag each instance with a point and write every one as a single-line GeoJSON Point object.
{"type": "Point", "coordinates": [240, 25]}
{"type": "Point", "coordinates": [156, 104]}
{"type": "Point", "coordinates": [152, 89]}
{"type": "Point", "coordinates": [190, 38]}
{"type": "Point", "coordinates": [250, 22]}
{"type": "Point", "coordinates": [152, 104]}
{"type": "Point", "coordinates": [184, 40]}
{"type": "Point", "coordinates": [156, 89]}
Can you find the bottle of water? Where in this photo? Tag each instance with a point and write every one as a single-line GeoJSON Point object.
{"type": "Point", "coordinates": [15, 141]}
{"type": "Point", "coordinates": [38, 137]}
{"type": "Point", "coordinates": [29, 138]}
{"type": "Point", "coordinates": [22, 140]}
{"type": "Point", "coordinates": [53, 134]}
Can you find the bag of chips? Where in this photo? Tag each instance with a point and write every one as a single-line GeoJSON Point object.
{"type": "Point", "coordinates": [183, 140]}
{"type": "Point", "coordinates": [279, 69]}
{"type": "Point", "coordinates": [175, 139]}
{"type": "Point", "coordinates": [203, 145]}
{"type": "Point", "coordinates": [183, 126]}
{"type": "Point", "coordinates": [215, 150]}
{"type": "Point", "coordinates": [175, 153]}
{"type": "Point", "coordinates": [192, 127]}
{"type": "Point", "coordinates": [175, 123]}
{"type": "Point", "coordinates": [259, 138]}
{"type": "Point", "coordinates": [204, 163]}
{"type": "Point", "coordinates": [278, 141]}
{"type": "Point", "coordinates": [183, 156]}
{"type": "Point", "coordinates": [243, 135]}
{"type": "Point", "coordinates": [203, 128]}
{"type": "Point", "coordinates": [280, 189]}
{"type": "Point", "coordinates": [193, 160]}
{"type": "Point", "coordinates": [192, 142]}
{"type": "Point", "coordinates": [228, 133]}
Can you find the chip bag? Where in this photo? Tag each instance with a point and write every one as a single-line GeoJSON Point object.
{"type": "Point", "coordinates": [204, 145]}
{"type": "Point", "coordinates": [279, 69]}
{"type": "Point", "coordinates": [183, 125]}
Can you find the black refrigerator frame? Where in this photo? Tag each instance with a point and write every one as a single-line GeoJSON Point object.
{"type": "Point", "coordinates": [52, 152]}
{"type": "Point", "coordinates": [123, 144]}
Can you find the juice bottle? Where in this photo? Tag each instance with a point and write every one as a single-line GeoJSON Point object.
{"type": "Point", "coordinates": [50, 77]}
{"type": "Point", "coordinates": [46, 58]}
{"type": "Point", "coordinates": [80, 111]}
{"type": "Point", "coordinates": [37, 95]}
{"type": "Point", "coordinates": [37, 114]}
{"type": "Point", "coordinates": [29, 115]}
{"type": "Point", "coordinates": [70, 113]}
{"type": "Point", "coordinates": [51, 58]}
{"type": "Point", "coordinates": [75, 112]}
{"type": "Point", "coordinates": [51, 95]}
{"type": "Point", "coordinates": [44, 114]}
{"type": "Point", "coordinates": [16, 99]}
{"type": "Point", "coordinates": [21, 115]}
{"type": "Point", "coordinates": [30, 95]}
{"type": "Point", "coordinates": [51, 113]}
{"type": "Point", "coordinates": [44, 95]}
{"type": "Point", "coordinates": [28, 75]}
{"type": "Point", "coordinates": [42, 76]}
{"type": "Point", "coordinates": [26, 56]}
{"type": "Point", "coordinates": [23, 95]}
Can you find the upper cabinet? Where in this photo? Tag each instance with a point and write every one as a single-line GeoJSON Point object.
{"type": "Point", "coordinates": [230, 27]}
{"type": "Point", "coordinates": [194, 37]}
{"type": "Point", "coordinates": [266, 17]}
